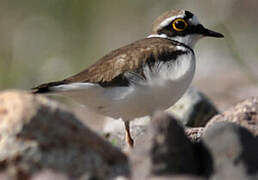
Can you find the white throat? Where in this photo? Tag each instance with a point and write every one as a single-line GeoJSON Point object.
{"type": "Point", "coordinates": [189, 40]}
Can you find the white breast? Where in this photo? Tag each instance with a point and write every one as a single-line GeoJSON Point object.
{"type": "Point", "coordinates": [162, 89]}
{"type": "Point", "coordinates": [164, 85]}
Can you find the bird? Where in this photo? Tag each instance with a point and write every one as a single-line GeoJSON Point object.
{"type": "Point", "coordinates": [135, 80]}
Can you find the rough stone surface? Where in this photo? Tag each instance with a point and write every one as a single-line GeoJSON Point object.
{"type": "Point", "coordinates": [49, 175]}
{"type": "Point", "coordinates": [245, 114]}
{"type": "Point", "coordinates": [182, 177]}
{"type": "Point", "coordinates": [40, 139]}
{"type": "Point", "coordinates": [194, 134]}
{"type": "Point", "coordinates": [164, 150]}
{"type": "Point", "coordinates": [194, 109]}
{"type": "Point", "coordinates": [40, 134]}
{"type": "Point", "coordinates": [233, 150]}
{"type": "Point", "coordinates": [4, 176]}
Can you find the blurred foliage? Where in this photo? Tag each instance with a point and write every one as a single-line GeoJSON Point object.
{"type": "Point", "coordinates": [51, 39]}
{"type": "Point", "coordinates": [236, 53]}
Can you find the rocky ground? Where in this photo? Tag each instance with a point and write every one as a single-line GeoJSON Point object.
{"type": "Point", "coordinates": [41, 139]}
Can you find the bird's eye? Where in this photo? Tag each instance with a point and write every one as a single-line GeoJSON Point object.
{"type": "Point", "coordinates": [179, 24]}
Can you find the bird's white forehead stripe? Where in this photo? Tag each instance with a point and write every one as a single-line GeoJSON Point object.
{"type": "Point", "coordinates": [168, 21]}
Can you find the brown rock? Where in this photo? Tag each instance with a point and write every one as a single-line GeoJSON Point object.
{"type": "Point", "coordinates": [194, 134]}
{"type": "Point", "coordinates": [245, 114]}
{"type": "Point", "coordinates": [37, 134]}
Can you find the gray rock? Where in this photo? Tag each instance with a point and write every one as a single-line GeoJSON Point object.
{"type": "Point", "coordinates": [38, 134]}
{"type": "Point", "coordinates": [244, 114]}
{"type": "Point", "coordinates": [233, 150]}
{"type": "Point", "coordinates": [194, 109]}
{"type": "Point", "coordinates": [164, 150]}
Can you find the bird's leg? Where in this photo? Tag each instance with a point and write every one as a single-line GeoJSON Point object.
{"type": "Point", "coordinates": [128, 137]}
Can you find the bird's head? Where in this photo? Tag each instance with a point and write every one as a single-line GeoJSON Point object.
{"type": "Point", "coordinates": [182, 26]}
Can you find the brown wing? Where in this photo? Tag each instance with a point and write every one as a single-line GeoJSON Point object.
{"type": "Point", "coordinates": [109, 70]}
{"type": "Point", "coordinates": [122, 60]}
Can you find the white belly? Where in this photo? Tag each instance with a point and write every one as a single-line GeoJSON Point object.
{"type": "Point", "coordinates": [144, 100]}
{"type": "Point", "coordinates": [160, 91]}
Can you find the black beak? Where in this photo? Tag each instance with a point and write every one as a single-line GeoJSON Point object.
{"type": "Point", "coordinates": [209, 33]}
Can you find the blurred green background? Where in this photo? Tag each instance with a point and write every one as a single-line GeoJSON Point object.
{"type": "Point", "coordinates": [49, 40]}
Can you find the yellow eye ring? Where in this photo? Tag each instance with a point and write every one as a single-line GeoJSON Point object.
{"type": "Point", "coordinates": [179, 24]}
